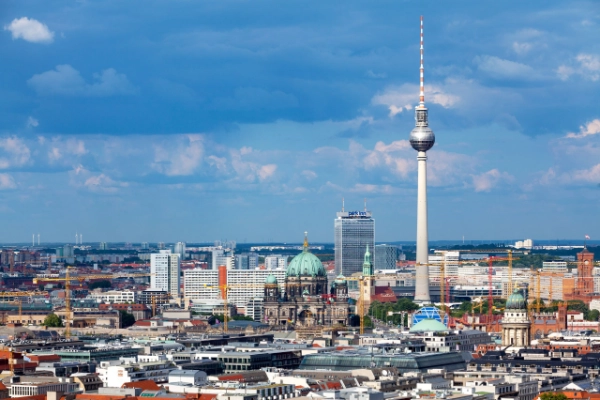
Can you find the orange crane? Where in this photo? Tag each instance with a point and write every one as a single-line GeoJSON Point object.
{"type": "Point", "coordinates": [67, 280]}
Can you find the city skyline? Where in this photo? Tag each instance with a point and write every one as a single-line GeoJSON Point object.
{"type": "Point", "coordinates": [196, 121]}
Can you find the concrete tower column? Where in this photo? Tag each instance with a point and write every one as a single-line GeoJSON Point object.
{"type": "Point", "coordinates": [422, 269]}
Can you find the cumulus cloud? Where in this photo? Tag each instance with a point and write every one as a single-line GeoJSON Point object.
{"type": "Point", "coordinates": [587, 175]}
{"type": "Point", "coordinates": [17, 153]}
{"type": "Point", "coordinates": [183, 159]}
{"type": "Point", "coordinates": [67, 81]}
{"type": "Point", "coordinates": [81, 177]}
{"type": "Point", "coordinates": [7, 182]}
{"type": "Point", "coordinates": [308, 174]}
{"type": "Point", "coordinates": [30, 30]}
{"type": "Point", "coordinates": [486, 181]}
{"type": "Point", "coordinates": [585, 65]}
{"type": "Point", "coordinates": [401, 98]}
{"type": "Point", "coordinates": [71, 147]}
{"type": "Point", "coordinates": [32, 122]}
{"type": "Point", "coordinates": [499, 68]}
{"type": "Point", "coordinates": [591, 128]}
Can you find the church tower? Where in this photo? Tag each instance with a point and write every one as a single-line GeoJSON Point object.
{"type": "Point", "coordinates": [368, 285]}
{"type": "Point", "coordinates": [516, 326]}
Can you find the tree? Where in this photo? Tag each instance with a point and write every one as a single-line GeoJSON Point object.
{"type": "Point", "coordinates": [100, 284]}
{"type": "Point", "coordinates": [593, 315]}
{"type": "Point", "coordinates": [127, 319]}
{"type": "Point", "coordinates": [53, 321]}
{"type": "Point", "coordinates": [553, 396]}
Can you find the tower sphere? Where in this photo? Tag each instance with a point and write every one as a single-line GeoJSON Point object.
{"type": "Point", "coordinates": [422, 138]}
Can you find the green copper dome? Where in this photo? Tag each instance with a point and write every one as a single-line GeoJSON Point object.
{"type": "Point", "coordinates": [271, 280]}
{"type": "Point", "coordinates": [429, 325]}
{"type": "Point", "coordinates": [341, 279]}
{"type": "Point", "coordinates": [306, 264]}
{"type": "Point", "coordinates": [516, 301]}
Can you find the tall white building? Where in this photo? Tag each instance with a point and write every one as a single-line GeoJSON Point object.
{"type": "Point", "coordinates": [165, 269]}
{"type": "Point", "coordinates": [275, 261]}
{"type": "Point", "coordinates": [244, 285]}
{"type": "Point", "coordinates": [246, 261]}
{"type": "Point", "coordinates": [354, 232]}
{"type": "Point", "coordinates": [450, 265]}
{"type": "Point", "coordinates": [180, 249]}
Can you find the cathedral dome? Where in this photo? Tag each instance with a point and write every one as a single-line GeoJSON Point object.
{"type": "Point", "coordinates": [271, 280]}
{"type": "Point", "coordinates": [516, 301]}
{"type": "Point", "coordinates": [341, 279]}
{"type": "Point", "coordinates": [306, 264]}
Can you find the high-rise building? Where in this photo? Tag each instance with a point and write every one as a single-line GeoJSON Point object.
{"type": "Point", "coordinates": [354, 231]}
{"type": "Point", "coordinates": [180, 249]}
{"type": "Point", "coordinates": [103, 246]}
{"type": "Point", "coordinates": [246, 261]}
{"type": "Point", "coordinates": [145, 246]}
{"type": "Point", "coordinates": [422, 139]}
{"type": "Point", "coordinates": [275, 261]}
{"type": "Point", "coordinates": [386, 256]}
{"type": "Point", "coordinates": [165, 269]}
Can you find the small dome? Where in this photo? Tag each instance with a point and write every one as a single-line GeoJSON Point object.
{"type": "Point", "coordinates": [341, 279]}
{"type": "Point", "coordinates": [306, 264]}
{"type": "Point", "coordinates": [271, 280]}
{"type": "Point", "coordinates": [516, 301]}
{"type": "Point", "coordinates": [429, 325]}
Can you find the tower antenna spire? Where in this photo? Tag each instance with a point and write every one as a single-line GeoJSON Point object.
{"type": "Point", "coordinates": [422, 72]}
{"type": "Point", "coordinates": [342, 204]}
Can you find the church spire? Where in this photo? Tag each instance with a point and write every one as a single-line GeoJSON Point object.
{"type": "Point", "coordinates": [367, 264]}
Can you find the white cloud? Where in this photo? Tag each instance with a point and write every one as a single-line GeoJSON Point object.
{"type": "Point", "coordinates": [587, 175]}
{"type": "Point", "coordinates": [591, 128]}
{"type": "Point", "coordinates": [183, 159]}
{"type": "Point", "coordinates": [486, 181]}
{"type": "Point", "coordinates": [72, 147]}
{"type": "Point", "coordinates": [522, 47]}
{"type": "Point", "coordinates": [586, 65]}
{"type": "Point", "coordinates": [81, 177]}
{"type": "Point", "coordinates": [32, 122]}
{"type": "Point", "coordinates": [503, 69]}
{"type": "Point", "coordinates": [67, 81]}
{"type": "Point", "coordinates": [308, 174]}
{"type": "Point", "coordinates": [7, 182]}
{"type": "Point", "coordinates": [17, 152]}
{"type": "Point", "coordinates": [30, 30]}
{"type": "Point", "coordinates": [266, 171]}
{"type": "Point", "coordinates": [400, 98]}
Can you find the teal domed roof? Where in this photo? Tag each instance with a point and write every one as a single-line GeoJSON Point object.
{"type": "Point", "coordinates": [306, 264]}
{"type": "Point", "coordinates": [516, 301]}
{"type": "Point", "coordinates": [429, 325]}
{"type": "Point", "coordinates": [340, 279]}
{"type": "Point", "coordinates": [271, 280]}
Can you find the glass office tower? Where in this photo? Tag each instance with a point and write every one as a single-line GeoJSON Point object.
{"type": "Point", "coordinates": [354, 230]}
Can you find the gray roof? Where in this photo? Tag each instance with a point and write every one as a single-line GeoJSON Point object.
{"type": "Point", "coordinates": [184, 372]}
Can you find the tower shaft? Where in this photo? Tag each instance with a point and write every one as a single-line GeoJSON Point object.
{"type": "Point", "coordinates": [422, 269]}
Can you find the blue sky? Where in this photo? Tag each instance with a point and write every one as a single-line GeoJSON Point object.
{"type": "Point", "coordinates": [195, 121]}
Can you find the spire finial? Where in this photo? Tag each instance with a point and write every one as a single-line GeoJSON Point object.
{"type": "Point", "coordinates": [305, 241]}
{"type": "Point", "coordinates": [422, 72]}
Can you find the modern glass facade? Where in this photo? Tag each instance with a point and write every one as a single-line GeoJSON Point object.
{"type": "Point", "coordinates": [385, 256]}
{"type": "Point", "coordinates": [410, 362]}
{"type": "Point", "coordinates": [354, 231]}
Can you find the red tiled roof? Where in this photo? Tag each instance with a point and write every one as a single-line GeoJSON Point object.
{"type": "Point", "coordinates": [142, 322]}
{"type": "Point", "coordinates": [144, 385]}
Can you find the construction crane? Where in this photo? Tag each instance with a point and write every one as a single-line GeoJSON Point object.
{"type": "Point", "coordinates": [67, 280]}
{"type": "Point", "coordinates": [19, 302]}
{"type": "Point", "coordinates": [225, 288]}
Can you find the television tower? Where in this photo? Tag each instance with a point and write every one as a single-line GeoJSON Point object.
{"type": "Point", "coordinates": [422, 139]}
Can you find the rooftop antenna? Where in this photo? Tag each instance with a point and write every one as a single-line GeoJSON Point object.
{"type": "Point", "coordinates": [342, 204]}
{"type": "Point", "coordinates": [38, 239]}
{"type": "Point", "coordinates": [422, 72]}
{"type": "Point", "coordinates": [76, 237]}
{"type": "Point", "coordinates": [365, 204]}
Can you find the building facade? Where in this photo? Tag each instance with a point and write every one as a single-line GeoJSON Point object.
{"type": "Point", "coordinates": [354, 230]}
{"type": "Point", "coordinates": [386, 256]}
{"type": "Point", "coordinates": [307, 300]}
{"type": "Point", "coordinates": [516, 326]}
{"type": "Point", "coordinates": [165, 269]}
